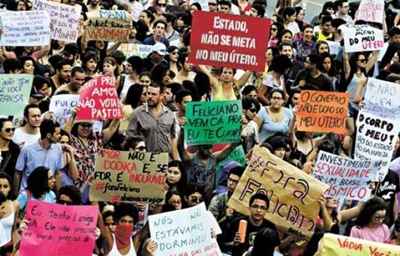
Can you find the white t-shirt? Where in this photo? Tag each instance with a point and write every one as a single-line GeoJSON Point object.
{"type": "Point", "coordinates": [22, 138]}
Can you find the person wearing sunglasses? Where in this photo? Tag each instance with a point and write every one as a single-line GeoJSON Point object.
{"type": "Point", "coordinates": [369, 223]}
{"type": "Point", "coordinates": [9, 151]}
{"type": "Point", "coordinates": [249, 134]}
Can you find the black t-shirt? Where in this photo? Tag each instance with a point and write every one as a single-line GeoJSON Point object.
{"type": "Point", "coordinates": [320, 83]}
{"type": "Point", "coordinates": [387, 190]}
{"type": "Point", "coordinates": [251, 232]}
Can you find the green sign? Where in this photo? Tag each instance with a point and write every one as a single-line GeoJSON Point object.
{"type": "Point", "coordinates": [214, 122]}
{"type": "Point", "coordinates": [14, 93]}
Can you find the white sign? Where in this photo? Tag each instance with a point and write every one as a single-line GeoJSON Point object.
{"type": "Point", "coordinates": [24, 28]}
{"type": "Point", "coordinates": [376, 138]}
{"type": "Point", "coordinates": [183, 232]}
{"type": "Point", "coordinates": [371, 10]}
{"type": "Point", "coordinates": [62, 106]}
{"type": "Point", "coordinates": [361, 38]}
{"type": "Point", "coordinates": [347, 178]}
{"type": "Point", "coordinates": [382, 98]}
{"type": "Point", "coordinates": [64, 19]}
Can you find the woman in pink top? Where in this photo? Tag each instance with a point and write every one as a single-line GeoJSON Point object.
{"type": "Point", "coordinates": [369, 223]}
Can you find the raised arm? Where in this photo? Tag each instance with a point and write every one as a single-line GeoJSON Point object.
{"type": "Point", "coordinates": [213, 80]}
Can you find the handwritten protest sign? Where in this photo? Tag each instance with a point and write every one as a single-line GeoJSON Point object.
{"type": "Point", "coordinates": [129, 176]}
{"type": "Point", "coordinates": [294, 194]}
{"type": "Point", "coordinates": [371, 10]}
{"type": "Point", "coordinates": [24, 28]}
{"type": "Point", "coordinates": [361, 38]}
{"type": "Point", "coordinates": [225, 40]}
{"type": "Point", "coordinates": [336, 245]}
{"type": "Point", "coordinates": [109, 26]}
{"type": "Point", "coordinates": [183, 232]}
{"type": "Point", "coordinates": [376, 139]}
{"type": "Point", "coordinates": [213, 122]}
{"type": "Point", "coordinates": [62, 106]}
{"type": "Point", "coordinates": [382, 98]}
{"type": "Point", "coordinates": [60, 230]}
{"type": "Point", "coordinates": [140, 50]}
{"type": "Point", "coordinates": [64, 19]}
{"type": "Point", "coordinates": [347, 178]}
{"type": "Point", "coordinates": [99, 100]}
{"type": "Point", "coordinates": [322, 111]}
{"type": "Point", "coordinates": [14, 93]}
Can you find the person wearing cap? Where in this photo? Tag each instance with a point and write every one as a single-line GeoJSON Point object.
{"type": "Point", "coordinates": [158, 36]}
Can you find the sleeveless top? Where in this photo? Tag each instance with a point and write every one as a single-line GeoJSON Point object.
{"type": "Point", "coordinates": [114, 251]}
{"type": "Point", "coordinates": [6, 225]}
{"type": "Point", "coordinates": [218, 93]}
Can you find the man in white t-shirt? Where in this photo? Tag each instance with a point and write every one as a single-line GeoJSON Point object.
{"type": "Point", "coordinates": [29, 133]}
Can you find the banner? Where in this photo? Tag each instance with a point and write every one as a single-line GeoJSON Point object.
{"type": "Point", "coordinates": [348, 178]}
{"type": "Point", "coordinates": [225, 40]}
{"type": "Point", "coordinates": [371, 11]}
{"type": "Point", "coordinates": [213, 122]}
{"type": "Point", "coordinates": [293, 194]}
{"type": "Point", "coordinates": [99, 100]}
{"type": "Point", "coordinates": [24, 28]}
{"type": "Point", "coordinates": [382, 98]}
{"type": "Point", "coordinates": [14, 93]}
{"type": "Point", "coordinates": [129, 176]}
{"type": "Point", "coordinates": [184, 232]}
{"type": "Point", "coordinates": [64, 19]}
{"type": "Point", "coordinates": [336, 245]}
{"type": "Point", "coordinates": [109, 26]}
{"type": "Point", "coordinates": [321, 111]}
{"type": "Point", "coordinates": [362, 38]}
{"type": "Point", "coordinates": [376, 139]}
{"type": "Point", "coordinates": [55, 229]}
{"type": "Point", "coordinates": [62, 106]}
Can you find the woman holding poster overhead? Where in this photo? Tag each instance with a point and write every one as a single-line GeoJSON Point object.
{"type": "Point", "coordinates": [274, 118]}
{"type": "Point", "coordinates": [356, 69]}
{"type": "Point", "coordinates": [225, 86]}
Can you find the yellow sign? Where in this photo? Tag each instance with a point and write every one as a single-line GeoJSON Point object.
{"type": "Point", "coordinates": [129, 176]}
{"type": "Point", "coordinates": [293, 194]}
{"type": "Point", "coordinates": [334, 245]}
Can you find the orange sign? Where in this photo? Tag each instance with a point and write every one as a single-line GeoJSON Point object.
{"type": "Point", "coordinates": [320, 111]}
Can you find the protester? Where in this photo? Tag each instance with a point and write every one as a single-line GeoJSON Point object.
{"type": "Point", "coordinates": [217, 118]}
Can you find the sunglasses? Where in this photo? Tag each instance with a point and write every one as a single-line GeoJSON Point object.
{"type": "Point", "coordinates": [253, 110]}
{"type": "Point", "coordinates": [363, 61]}
{"type": "Point", "coordinates": [9, 129]}
{"type": "Point", "coordinates": [86, 125]}
{"type": "Point", "coordinates": [162, 5]}
{"type": "Point", "coordinates": [64, 202]}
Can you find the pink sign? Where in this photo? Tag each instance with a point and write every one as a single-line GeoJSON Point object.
{"type": "Point", "coordinates": [99, 100]}
{"type": "Point", "coordinates": [60, 230]}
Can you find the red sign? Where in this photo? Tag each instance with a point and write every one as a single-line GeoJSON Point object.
{"type": "Point", "coordinates": [99, 100]}
{"type": "Point", "coordinates": [225, 40]}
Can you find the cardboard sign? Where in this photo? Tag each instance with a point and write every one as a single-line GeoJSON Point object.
{"type": "Point", "coordinates": [336, 245]}
{"type": "Point", "coordinates": [24, 28]}
{"type": "Point", "coordinates": [213, 122]}
{"type": "Point", "coordinates": [129, 176]}
{"type": "Point", "coordinates": [371, 10]}
{"type": "Point", "coordinates": [322, 111]}
{"type": "Point", "coordinates": [60, 230]}
{"type": "Point", "coordinates": [183, 232]}
{"type": "Point", "coordinates": [376, 139]}
{"type": "Point", "coordinates": [361, 38]}
{"type": "Point", "coordinates": [14, 93]}
{"type": "Point", "coordinates": [99, 100]}
{"type": "Point", "coordinates": [382, 98]}
{"type": "Point", "coordinates": [224, 40]}
{"type": "Point", "coordinates": [109, 26]}
{"type": "Point", "coordinates": [348, 178]}
{"type": "Point", "coordinates": [294, 194]}
{"type": "Point", "coordinates": [64, 19]}
{"type": "Point", "coordinates": [62, 106]}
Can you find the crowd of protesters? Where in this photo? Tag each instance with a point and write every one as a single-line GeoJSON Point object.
{"type": "Point", "coordinates": [41, 159]}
